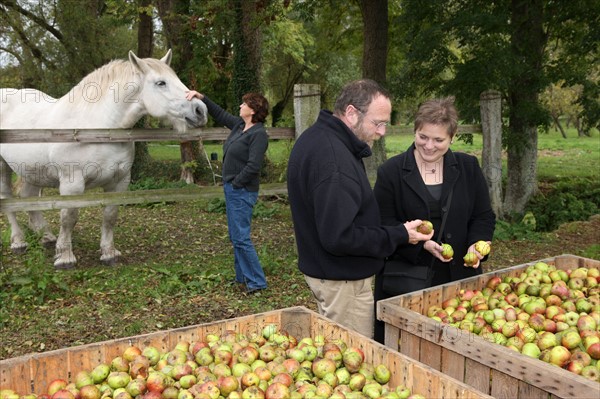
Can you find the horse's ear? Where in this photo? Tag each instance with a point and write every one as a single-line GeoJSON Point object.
{"type": "Point", "coordinates": [136, 61]}
{"type": "Point", "coordinates": [167, 58]}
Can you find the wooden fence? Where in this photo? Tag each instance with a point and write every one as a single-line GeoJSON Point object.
{"type": "Point", "coordinates": [122, 135]}
{"type": "Point", "coordinates": [150, 135]}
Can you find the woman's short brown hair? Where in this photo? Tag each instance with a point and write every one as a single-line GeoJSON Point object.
{"type": "Point", "coordinates": [259, 105]}
{"type": "Point", "coordinates": [438, 111]}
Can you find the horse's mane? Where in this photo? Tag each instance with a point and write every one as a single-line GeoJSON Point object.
{"type": "Point", "coordinates": [102, 82]}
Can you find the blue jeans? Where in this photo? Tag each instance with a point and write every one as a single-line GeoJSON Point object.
{"type": "Point", "coordinates": [240, 203]}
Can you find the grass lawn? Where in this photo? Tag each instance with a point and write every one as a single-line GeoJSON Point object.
{"type": "Point", "coordinates": [557, 157]}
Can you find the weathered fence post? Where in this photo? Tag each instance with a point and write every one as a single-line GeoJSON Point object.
{"type": "Point", "coordinates": [490, 103]}
{"type": "Point", "coordinates": [307, 104]}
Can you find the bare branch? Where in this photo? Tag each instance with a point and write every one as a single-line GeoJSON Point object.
{"type": "Point", "coordinates": [28, 14]}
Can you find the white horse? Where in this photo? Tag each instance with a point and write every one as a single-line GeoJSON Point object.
{"type": "Point", "coordinates": [114, 96]}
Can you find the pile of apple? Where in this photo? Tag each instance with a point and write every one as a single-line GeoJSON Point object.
{"type": "Point", "coordinates": [271, 365]}
{"type": "Point", "coordinates": [545, 313]}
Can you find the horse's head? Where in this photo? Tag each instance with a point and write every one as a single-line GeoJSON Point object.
{"type": "Point", "coordinates": [163, 94]}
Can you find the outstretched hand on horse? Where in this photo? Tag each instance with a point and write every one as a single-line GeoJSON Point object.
{"type": "Point", "coordinates": [193, 93]}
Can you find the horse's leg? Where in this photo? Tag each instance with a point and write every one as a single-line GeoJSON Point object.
{"type": "Point", "coordinates": [37, 222]}
{"type": "Point", "coordinates": [110, 255]}
{"type": "Point", "coordinates": [64, 257]}
{"type": "Point", "coordinates": [17, 238]}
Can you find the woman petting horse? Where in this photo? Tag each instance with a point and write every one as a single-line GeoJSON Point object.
{"type": "Point", "coordinates": [114, 96]}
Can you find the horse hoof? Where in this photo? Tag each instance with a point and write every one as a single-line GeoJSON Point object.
{"type": "Point", "coordinates": [64, 266]}
{"type": "Point", "coordinates": [48, 244]}
{"type": "Point", "coordinates": [19, 250]}
{"type": "Point", "coordinates": [110, 261]}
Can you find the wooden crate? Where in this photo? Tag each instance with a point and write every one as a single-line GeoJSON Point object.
{"type": "Point", "coordinates": [32, 373]}
{"type": "Point", "coordinates": [491, 368]}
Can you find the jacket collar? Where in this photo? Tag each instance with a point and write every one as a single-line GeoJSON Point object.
{"type": "Point", "coordinates": [359, 148]}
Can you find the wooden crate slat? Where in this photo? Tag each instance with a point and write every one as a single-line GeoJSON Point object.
{"type": "Point", "coordinates": [392, 336]}
{"type": "Point", "coordinates": [15, 372]}
{"type": "Point", "coordinates": [531, 392]}
{"type": "Point", "coordinates": [85, 359]}
{"type": "Point", "coordinates": [425, 384]}
{"type": "Point", "coordinates": [410, 345]}
{"type": "Point", "coordinates": [503, 386]}
{"type": "Point", "coordinates": [477, 375]}
{"type": "Point", "coordinates": [453, 364]}
{"type": "Point", "coordinates": [431, 354]}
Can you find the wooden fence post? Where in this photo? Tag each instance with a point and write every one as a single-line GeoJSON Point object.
{"type": "Point", "coordinates": [490, 103]}
{"type": "Point", "coordinates": [307, 104]}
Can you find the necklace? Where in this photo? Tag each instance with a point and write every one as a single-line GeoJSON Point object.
{"type": "Point", "coordinates": [428, 169]}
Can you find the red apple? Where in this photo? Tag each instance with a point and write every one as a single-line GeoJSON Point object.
{"type": "Point", "coordinates": [227, 385]}
{"type": "Point", "coordinates": [156, 381]}
{"type": "Point", "coordinates": [249, 379]}
{"type": "Point", "coordinates": [426, 227]}
{"type": "Point", "coordinates": [594, 350]}
{"type": "Point", "coordinates": [591, 373]}
{"type": "Point", "coordinates": [559, 355]}
{"type": "Point", "coordinates": [56, 385]}
{"type": "Point", "coordinates": [131, 353]}
{"type": "Point", "coordinates": [63, 394]}
{"type": "Point", "coordinates": [277, 390]}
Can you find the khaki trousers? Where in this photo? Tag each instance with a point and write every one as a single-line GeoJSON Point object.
{"type": "Point", "coordinates": [348, 302]}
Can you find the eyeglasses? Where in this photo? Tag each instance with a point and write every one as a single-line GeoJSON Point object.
{"type": "Point", "coordinates": [378, 125]}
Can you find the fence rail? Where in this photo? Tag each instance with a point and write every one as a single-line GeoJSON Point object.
{"type": "Point", "coordinates": [123, 135]}
{"type": "Point", "coordinates": [142, 196]}
{"type": "Point", "coordinates": [125, 198]}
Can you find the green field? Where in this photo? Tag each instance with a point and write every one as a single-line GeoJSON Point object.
{"type": "Point", "coordinates": [574, 157]}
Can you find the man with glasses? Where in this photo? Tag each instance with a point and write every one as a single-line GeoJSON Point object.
{"type": "Point", "coordinates": [341, 243]}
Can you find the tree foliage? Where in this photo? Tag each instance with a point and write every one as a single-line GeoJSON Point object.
{"type": "Point", "coordinates": [465, 47]}
{"type": "Point", "coordinates": [225, 48]}
{"type": "Point", "coordinates": [55, 44]}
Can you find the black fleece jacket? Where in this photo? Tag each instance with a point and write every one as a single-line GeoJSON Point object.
{"type": "Point", "coordinates": [243, 152]}
{"type": "Point", "coordinates": [335, 214]}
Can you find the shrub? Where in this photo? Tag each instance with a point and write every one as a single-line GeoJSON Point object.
{"type": "Point", "coordinates": [565, 201]}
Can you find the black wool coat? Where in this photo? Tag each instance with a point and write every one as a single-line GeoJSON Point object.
{"type": "Point", "coordinates": [402, 196]}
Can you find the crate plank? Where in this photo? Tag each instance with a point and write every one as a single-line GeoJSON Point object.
{"type": "Point", "coordinates": [453, 364]}
{"type": "Point", "coordinates": [477, 375]}
{"type": "Point", "coordinates": [47, 370]}
{"type": "Point", "coordinates": [503, 386]}
{"type": "Point", "coordinates": [531, 392]}
{"type": "Point", "coordinates": [410, 345]}
{"type": "Point", "coordinates": [431, 354]}
{"type": "Point", "coordinates": [513, 375]}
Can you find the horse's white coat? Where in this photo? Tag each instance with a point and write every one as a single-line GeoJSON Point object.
{"type": "Point", "coordinates": [114, 96]}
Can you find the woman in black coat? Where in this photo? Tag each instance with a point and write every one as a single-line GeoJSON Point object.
{"type": "Point", "coordinates": [416, 185]}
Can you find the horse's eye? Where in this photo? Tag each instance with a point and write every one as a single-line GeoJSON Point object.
{"type": "Point", "coordinates": [161, 83]}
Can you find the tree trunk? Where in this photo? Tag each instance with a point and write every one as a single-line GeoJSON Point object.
{"type": "Point", "coordinates": [247, 47]}
{"type": "Point", "coordinates": [175, 15]}
{"type": "Point", "coordinates": [145, 31]}
{"type": "Point", "coordinates": [580, 131]}
{"type": "Point", "coordinates": [527, 44]}
{"type": "Point", "coordinates": [559, 126]}
{"type": "Point", "coordinates": [374, 63]}
{"type": "Point", "coordinates": [491, 157]}
{"type": "Point", "coordinates": [144, 50]}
